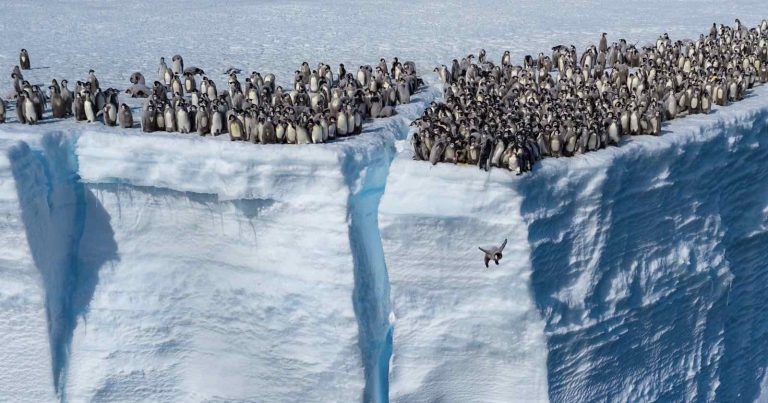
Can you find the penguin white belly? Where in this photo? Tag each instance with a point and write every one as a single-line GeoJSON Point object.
{"type": "Point", "coordinates": [592, 142]}
{"type": "Point", "coordinates": [555, 145]}
{"type": "Point", "coordinates": [217, 124]}
{"type": "Point", "coordinates": [29, 112]}
{"type": "Point", "coordinates": [497, 152]}
{"type": "Point", "coordinates": [613, 132]}
{"type": "Point", "coordinates": [112, 113]}
{"type": "Point", "coordinates": [183, 121]}
{"type": "Point", "coordinates": [302, 136]}
{"type": "Point", "coordinates": [341, 124]}
{"type": "Point", "coordinates": [170, 124]}
{"type": "Point", "coordinates": [236, 131]}
{"type": "Point", "coordinates": [361, 78]}
{"type": "Point", "coordinates": [90, 116]}
{"type": "Point", "coordinates": [634, 123]}
{"type": "Point", "coordinates": [624, 122]}
{"type": "Point", "coordinates": [290, 134]}
{"type": "Point", "coordinates": [314, 84]}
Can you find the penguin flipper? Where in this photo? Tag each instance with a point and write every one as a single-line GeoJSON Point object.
{"type": "Point", "coordinates": [484, 251]}
{"type": "Point", "coordinates": [503, 244]}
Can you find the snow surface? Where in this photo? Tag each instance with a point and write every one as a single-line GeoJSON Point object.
{"type": "Point", "coordinates": [172, 268]}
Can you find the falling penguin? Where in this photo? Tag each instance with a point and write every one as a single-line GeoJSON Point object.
{"type": "Point", "coordinates": [493, 253]}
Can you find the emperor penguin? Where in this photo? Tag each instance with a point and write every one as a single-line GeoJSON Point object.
{"type": "Point", "coordinates": [603, 45]}
{"type": "Point", "coordinates": [55, 86]}
{"type": "Point", "coordinates": [20, 107]}
{"type": "Point", "coordinates": [694, 103]}
{"type": "Point", "coordinates": [162, 69]}
{"type": "Point", "coordinates": [30, 111]}
{"type": "Point", "coordinates": [38, 100]}
{"type": "Point", "coordinates": [16, 81]}
{"type": "Point", "coordinates": [236, 131]}
{"type": "Point", "coordinates": [189, 82]}
{"type": "Point", "coordinates": [316, 132]}
{"type": "Point", "coordinates": [169, 118]}
{"type": "Point", "coordinates": [93, 80]}
{"type": "Point", "coordinates": [506, 59]}
{"type": "Point", "coordinates": [160, 121]}
{"type": "Point", "coordinates": [706, 102]}
{"type": "Point", "coordinates": [314, 82]}
{"type": "Point", "coordinates": [555, 144]}
{"type": "Point", "coordinates": [290, 133]}
{"type": "Point", "coordinates": [24, 60]}
{"type": "Point", "coordinates": [176, 86]}
{"type": "Point", "coordinates": [167, 77]}
{"type": "Point", "coordinates": [148, 119]}
{"type": "Point", "coordinates": [194, 71]}
{"type": "Point", "coordinates": [332, 128]}
{"type": "Point", "coordinates": [202, 121]}
{"type": "Point", "coordinates": [341, 72]}
{"type": "Point", "coordinates": [280, 129]}
{"type": "Point", "coordinates": [437, 152]}
{"type": "Point", "coordinates": [362, 76]}
{"type": "Point", "coordinates": [302, 134]}
{"type": "Point", "coordinates": [341, 124]}
{"type": "Point", "coordinates": [493, 253]}
{"type": "Point", "coordinates": [268, 135]}
{"type": "Point", "coordinates": [614, 131]}
{"type": "Point", "coordinates": [58, 108]}
{"type": "Point", "coordinates": [182, 119]}
{"type": "Point", "coordinates": [217, 122]}
{"type": "Point", "coordinates": [78, 110]}
{"type": "Point", "coordinates": [110, 115]}
{"type": "Point", "coordinates": [178, 64]}
{"type": "Point", "coordinates": [2, 110]}
{"type": "Point", "coordinates": [126, 117]}
{"type": "Point", "coordinates": [88, 107]}
{"type": "Point", "coordinates": [403, 93]}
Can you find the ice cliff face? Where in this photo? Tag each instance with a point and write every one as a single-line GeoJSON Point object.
{"type": "Point", "coordinates": [153, 268]}
{"type": "Point", "coordinates": [648, 263]}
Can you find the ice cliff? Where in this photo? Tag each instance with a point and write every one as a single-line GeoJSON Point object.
{"type": "Point", "coordinates": [169, 268]}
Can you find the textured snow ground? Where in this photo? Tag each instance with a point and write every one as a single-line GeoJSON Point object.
{"type": "Point", "coordinates": [186, 269]}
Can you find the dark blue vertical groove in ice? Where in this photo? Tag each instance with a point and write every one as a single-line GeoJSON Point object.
{"type": "Point", "coordinates": [366, 176]}
{"type": "Point", "coordinates": [69, 237]}
{"type": "Point", "coordinates": [371, 292]}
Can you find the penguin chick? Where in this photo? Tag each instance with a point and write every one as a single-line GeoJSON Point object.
{"type": "Point", "coordinates": [493, 253]}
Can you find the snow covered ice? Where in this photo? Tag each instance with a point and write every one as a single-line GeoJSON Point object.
{"type": "Point", "coordinates": [172, 268]}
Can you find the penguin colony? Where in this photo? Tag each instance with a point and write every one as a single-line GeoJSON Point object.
{"type": "Point", "coordinates": [510, 116]}
{"type": "Point", "coordinates": [319, 107]}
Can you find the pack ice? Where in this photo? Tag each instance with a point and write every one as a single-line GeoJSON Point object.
{"type": "Point", "coordinates": [169, 268]}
